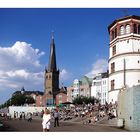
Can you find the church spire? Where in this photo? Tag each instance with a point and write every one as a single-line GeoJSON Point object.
{"type": "Point", "coordinates": [52, 60]}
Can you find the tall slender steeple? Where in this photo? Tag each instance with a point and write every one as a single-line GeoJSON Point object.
{"type": "Point", "coordinates": [52, 60]}
{"type": "Point", "coordinates": [51, 76]}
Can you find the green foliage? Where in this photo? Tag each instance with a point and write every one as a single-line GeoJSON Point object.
{"type": "Point", "coordinates": [18, 100]}
{"type": "Point", "coordinates": [85, 100]}
{"type": "Point", "coordinates": [29, 100]}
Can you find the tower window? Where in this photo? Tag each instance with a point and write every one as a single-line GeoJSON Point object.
{"type": "Point", "coordinates": [127, 29]}
{"type": "Point", "coordinates": [113, 35]}
{"type": "Point", "coordinates": [60, 96]}
{"type": "Point", "coordinates": [135, 28]}
{"type": "Point", "coordinates": [112, 84]}
{"type": "Point", "coordinates": [115, 32]}
{"type": "Point", "coordinates": [138, 61]}
{"type": "Point", "coordinates": [112, 67]}
{"type": "Point", "coordinates": [114, 50]}
{"type": "Point", "coordinates": [49, 76]}
{"type": "Point", "coordinates": [138, 81]}
{"type": "Point", "coordinates": [139, 29]}
{"type": "Point", "coordinates": [122, 30]}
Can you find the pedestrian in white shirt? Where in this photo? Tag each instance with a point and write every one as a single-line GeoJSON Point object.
{"type": "Point", "coordinates": [46, 120]}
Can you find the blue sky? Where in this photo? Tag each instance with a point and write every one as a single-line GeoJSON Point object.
{"type": "Point", "coordinates": [81, 38]}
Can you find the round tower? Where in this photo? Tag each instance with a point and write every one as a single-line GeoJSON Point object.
{"type": "Point", "coordinates": [124, 54]}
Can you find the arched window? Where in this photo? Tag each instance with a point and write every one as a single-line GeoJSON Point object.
{"type": "Point", "coordinates": [49, 76]}
{"type": "Point", "coordinates": [122, 30]}
{"type": "Point", "coordinates": [127, 28]}
{"type": "Point", "coordinates": [135, 28]}
{"type": "Point", "coordinates": [139, 29]}
{"type": "Point", "coordinates": [113, 35]}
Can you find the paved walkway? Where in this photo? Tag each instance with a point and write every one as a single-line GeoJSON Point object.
{"type": "Point", "coordinates": [35, 126]}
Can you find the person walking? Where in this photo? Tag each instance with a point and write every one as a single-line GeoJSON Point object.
{"type": "Point", "coordinates": [46, 120]}
{"type": "Point", "coordinates": [29, 117]}
{"type": "Point", "coordinates": [56, 118]}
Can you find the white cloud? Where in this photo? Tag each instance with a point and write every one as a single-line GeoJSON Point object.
{"type": "Point", "coordinates": [20, 55]}
{"type": "Point", "coordinates": [64, 75]}
{"type": "Point", "coordinates": [99, 66]}
{"type": "Point", "coordinates": [20, 66]}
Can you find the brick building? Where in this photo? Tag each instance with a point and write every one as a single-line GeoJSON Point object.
{"type": "Point", "coordinates": [61, 97]}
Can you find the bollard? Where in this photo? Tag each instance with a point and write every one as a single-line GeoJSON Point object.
{"type": "Point", "coordinates": [120, 123]}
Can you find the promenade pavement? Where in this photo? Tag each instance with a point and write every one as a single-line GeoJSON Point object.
{"type": "Point", "coordinates": [36, 126]}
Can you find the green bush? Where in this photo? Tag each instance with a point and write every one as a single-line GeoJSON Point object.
{"type": "Point", "coordinates": [84, 100]}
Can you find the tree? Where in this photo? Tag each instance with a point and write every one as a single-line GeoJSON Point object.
{"type": "Point", "coordinates": [18, 99]}
{"type": "Point", "coordinates": [21, 99]}
{"type": "Point", "coordinates": [84, 99]}
{"type": "Point", "coordinates": [29, 100]}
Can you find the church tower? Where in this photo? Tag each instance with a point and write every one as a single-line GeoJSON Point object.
{"type": "Point", "coordinates": [51, 76]}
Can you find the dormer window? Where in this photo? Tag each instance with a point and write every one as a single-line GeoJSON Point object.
{"type": "Point", "coordinates": [122, 30]}
{"type": "Point", "coordinates": [127, 29]}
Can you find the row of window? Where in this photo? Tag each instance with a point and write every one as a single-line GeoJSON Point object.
{"type": "Point", "coordinates": [113, 66]}
{"type": "Point", "coordinates": [114, 50]}
{"type": "Point", "coordinates": [113, 84]}
{"type": "Point", "coordinates": [48, 77]}
{"type": "Point", "coordinates": [104, 82]}
{"type": "Point", "coordinates": [126, 30]}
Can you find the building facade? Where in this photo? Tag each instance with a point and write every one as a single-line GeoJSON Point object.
{"type": "Point", "coordinates": [70, 93]}
{"type": "Point", "coordinates": [124, 55]}
{"type": "Point", "coordinates": [80, 87]}
{"type": "Point", "coordinates": [61, 97]}
{"type": "Point", "coordinates": [99, 88]}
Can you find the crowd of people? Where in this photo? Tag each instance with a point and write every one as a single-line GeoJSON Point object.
{"type": "Point", "coordinates": [86, 114]}
{"type": "Point", "coordinates": [17, 116]}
